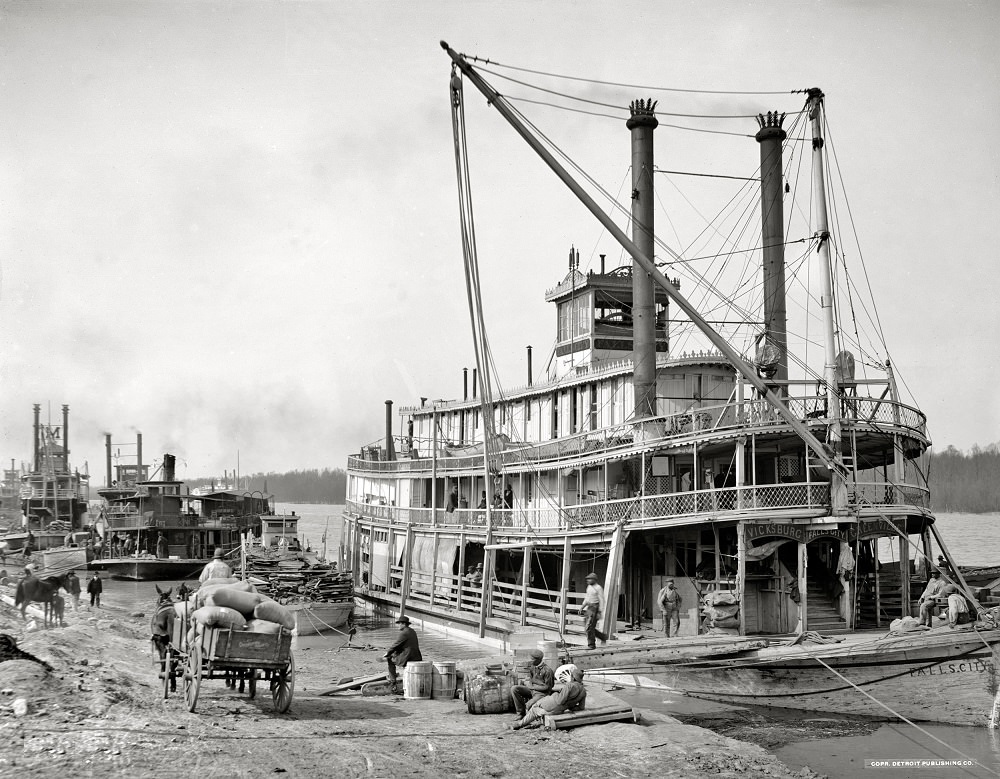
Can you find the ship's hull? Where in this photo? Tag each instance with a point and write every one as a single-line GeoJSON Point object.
{"type": "Point", "coordinates": [321, 618]}
{"type": "Point", "coordinates": [150, 569]}
{"type": "Point", "coordinates": [43, 540]}
{"type": "Point", "coordinates": [933, 676]}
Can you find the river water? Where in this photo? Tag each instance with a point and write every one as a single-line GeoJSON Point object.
{"type": "Point", "coordinates": [893, 751]}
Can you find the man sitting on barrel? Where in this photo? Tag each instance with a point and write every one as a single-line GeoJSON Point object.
{"type": "Point", "coordinates": [406, 649]}
{"type": "Point", "coordinates": [539, 684]}
{"type": "Point", "coordinates": [571, 696]}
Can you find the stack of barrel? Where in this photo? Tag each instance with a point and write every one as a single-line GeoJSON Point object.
{"type": "Point", "coordinates": [424, 680]}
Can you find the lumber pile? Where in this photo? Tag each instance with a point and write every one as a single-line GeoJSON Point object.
{"type": "Point", "coordinates": [290, 579]}
{"type": "Point", "coordinates": [572, 719]}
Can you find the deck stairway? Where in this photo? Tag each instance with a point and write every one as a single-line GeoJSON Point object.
{"type": "Point", "coordinates": [823, 615]}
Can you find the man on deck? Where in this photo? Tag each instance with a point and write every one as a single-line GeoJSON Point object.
{"type": "Point", "coordinates": [927, 599]}
{"type": "Point", "coordinates": [591, 611]}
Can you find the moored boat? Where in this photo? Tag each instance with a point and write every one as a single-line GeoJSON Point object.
{"type": "Point", "coordinates": [154, 530]}
{"type": "Point", "coordinates": [319, 596]}
{"type": "Point", "coordinates": [782, 492]}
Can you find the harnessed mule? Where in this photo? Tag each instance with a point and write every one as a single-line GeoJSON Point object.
{"type": "Point", "coordinates": [161, 628]}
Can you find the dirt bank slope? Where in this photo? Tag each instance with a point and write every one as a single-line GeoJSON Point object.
{"type": "Point", "coordinates": [99, 713]}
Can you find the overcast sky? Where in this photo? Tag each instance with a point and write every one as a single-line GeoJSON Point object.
{"type": "Point", "coordinates": [233, 226]}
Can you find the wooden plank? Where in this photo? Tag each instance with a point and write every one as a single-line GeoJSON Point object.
{"type": "Point", "coordinates": [356, 683]}
{"type": "Point", "coordinates": [573, 719]}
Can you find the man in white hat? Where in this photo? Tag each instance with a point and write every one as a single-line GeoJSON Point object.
{"type": "Point", "coordinates": [569, 695]}
{"type": "Point", "coordinates": [406, 649]}
{"type": "Point", "coordinates": [591, 611]}
{"type": "Point", "coordinates": [217, 569]}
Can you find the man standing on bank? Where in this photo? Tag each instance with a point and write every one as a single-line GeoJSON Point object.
{"type": "Point", "coordinates": [591, 611]}
{"type": "Point", "coordinates": [405, 650]}
{"type": "Point", "coordinates": [539, 684]}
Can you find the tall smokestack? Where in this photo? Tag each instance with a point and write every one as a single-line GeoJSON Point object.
{"type": "Point", "coordinates": [169, 467]}
{"type": "Point", "coordinates": [390, 448]}
{"type": "Point", "coordinates": [772, 211]}
{"type": "Point", "coordinates": [138, 456]}
{"type": "Point", "coordinates": [65, 410]}
{"type": "Point", "coordinates": [37, 466]}
{"type": "Point", "coordinates": [107, 459]}
{"type": "Point", "coordinates": [465, 383]}
{"type": "Point", "coordinates": [529, 366]}
{"type": "Point", "coordinates": [642, 122]}
{"type": "Point", "coordinates": [475, 379]}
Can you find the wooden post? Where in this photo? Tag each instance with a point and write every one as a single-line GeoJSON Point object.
{"type": "Point", "coordinates": [407, 566]}
{"type": "Point", "coordinates": [803, 587]}
{"type": "Point", "coordinates": [525, 574]}
{"type": "Point", "coordinates": [461, 569]}
{"type": "Point", "coordinates": [612, 580]}
{"type": "Point", "coordinates": [437, 540]}
{"type": "Point", "coordinates": [564, 584]}
{"type": "Point", "coordinates": [904, 574]}
{"type": "Point", "coordinates": [741, 574]}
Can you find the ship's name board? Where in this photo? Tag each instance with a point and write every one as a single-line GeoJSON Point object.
{"type": "Point", "coordinates": [973, 665]}
{"type": "Point", "coordinates": [804, 533]}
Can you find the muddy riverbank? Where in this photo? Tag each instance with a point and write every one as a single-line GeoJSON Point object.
{"type": "Point", "coordinates": [99, 713]}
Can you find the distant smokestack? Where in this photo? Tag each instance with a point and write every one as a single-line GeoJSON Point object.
{"type": "Point", "coordinates": [390, 449]}
{"type": "Point", "coordinates": [138, 456]}
{"type": "Point", "coordinates": [65, 410]}
{"type": "Point", "coordinates": [169, 467]}
{"type": "Point", "coordinates": [475, 380]}
{"type": "Point", "coordinates": [602, 264]}
{"type": "Point", "coordinates": [529, 366]}
{"type": "Point", "coordinates": [107, 458]}
{"type": "Point", "coordinates": [37, 466]}
{"type": "Point", "coordinates": [465, 383]}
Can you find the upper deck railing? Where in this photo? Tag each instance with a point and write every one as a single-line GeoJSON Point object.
{"type": "Point", "coordinates": [690, 506]}
{"type": "Point", "coordinates": [700, 424]}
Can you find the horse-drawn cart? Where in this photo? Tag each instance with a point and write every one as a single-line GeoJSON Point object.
{"type": "Point", "coordinates": [239, 655]}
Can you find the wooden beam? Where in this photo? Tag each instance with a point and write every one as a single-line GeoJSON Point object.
{"type": "Point", "coordinates": [355, 683]}
{"type": "Point", "coordinates": [573, 719]}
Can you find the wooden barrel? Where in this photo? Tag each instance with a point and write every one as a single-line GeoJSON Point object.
{"type": "Point", "coordinates": [418, 680]}
{"type": "Point", "coordinates": [443, 681]}
{"type": "Point", "coordinates": [489, 694]}
{"type": "Point", "coordinates": [550, 653]}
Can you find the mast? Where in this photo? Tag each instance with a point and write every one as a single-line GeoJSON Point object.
{"type": "Point", "coordinates": [838, 486]}
{"type": "Point", "coordinates": [498, 102]}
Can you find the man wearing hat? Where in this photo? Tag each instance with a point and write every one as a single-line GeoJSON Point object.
{"type": "Point", "coordinates": [539, 684]}
{"type": "Point", "coordinates": [669, 601]}
{"type": "Point", "coordinates": [217, 569]}
{"type": "Point", "coordinates": [927, 599]}
{"type": "Point", "coordinates": [591, 611]}
{"type": "Point", "coordinates": [406, 649]}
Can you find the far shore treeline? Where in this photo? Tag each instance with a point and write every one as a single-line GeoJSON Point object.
{"type": "Point", "coordinates": [310, 486]}
{"type": "Point", "coordinates": [960, 482]}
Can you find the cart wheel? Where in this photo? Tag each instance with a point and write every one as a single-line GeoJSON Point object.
{"type": "Point", "coordinates": [282, 686]}
{"type": "Point", "coordinates": [192, 677]}
{"type": "Point", "coordinates": [252, 683]}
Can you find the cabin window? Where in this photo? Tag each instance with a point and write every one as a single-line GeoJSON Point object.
{"type": "Point", "coordinates": [593, 406]}
{"type": "Point", "coordinates": [573, 410]}
{"type": "Point", "coordinates": [555, 415]}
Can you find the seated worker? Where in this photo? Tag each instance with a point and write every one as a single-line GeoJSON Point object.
{"type": "Point", "coordinates": [406, 649]}
{"type": "Point", "coordinates": [958, 607]}
{"type": "Point", "coordinates": [477, 575]}
{"type": "Point", "coordinates": [927, 603]}
{"type": "Point", "coordinates": [539, 684]}
{"type": "Point", "coordinates": [572, 696]}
